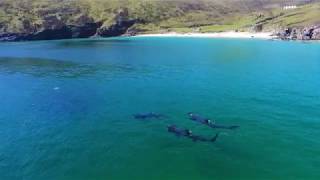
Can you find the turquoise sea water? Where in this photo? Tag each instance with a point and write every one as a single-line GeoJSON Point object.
{"type": "Point", "coordinates": [66, 109]}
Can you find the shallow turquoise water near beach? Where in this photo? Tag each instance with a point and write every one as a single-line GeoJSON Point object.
{"type": "Point", "coordinates": [66, 109]}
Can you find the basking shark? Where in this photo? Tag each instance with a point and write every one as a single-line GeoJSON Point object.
{"type": "Point", "coordinates": [206, 121]}
{"type": "Point", "coordinates": [188, 133]}
{"type": "Point", "coordinates": [148, 115]}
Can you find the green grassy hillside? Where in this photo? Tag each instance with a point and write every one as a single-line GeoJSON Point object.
{"type": "Point", "coordinates": [157, 16]}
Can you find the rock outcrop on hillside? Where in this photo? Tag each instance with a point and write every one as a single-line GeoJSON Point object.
{"type": "Point", "coordinates": [116, 29]}
{"type": "Point", "coordinates": [63, 32]}
{"type": "Point", "coordinates": [84, 27]}
{"type": "Point", "coordinates": [120, 26]}
{"type": "Point", "coordinates": [307, 33]}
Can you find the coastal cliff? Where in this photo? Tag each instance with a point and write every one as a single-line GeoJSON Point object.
{"type": "Point", "coordinates": [26, 20]}
{"type": "Point", "coordinates": [54, 27]}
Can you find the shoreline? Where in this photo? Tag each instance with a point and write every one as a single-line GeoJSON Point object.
{"type": "Point", "coordinates": [230, 34]}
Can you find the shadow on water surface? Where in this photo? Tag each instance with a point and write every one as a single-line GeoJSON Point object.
{"type": "Point", "coordinates": [233, 53]}
{"type": "Point", "coordinates": [42, 67]}
{"type": "Point", "coordinates": [93, 43]}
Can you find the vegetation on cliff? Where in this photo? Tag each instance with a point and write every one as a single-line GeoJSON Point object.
{"type": "Point", "coordinates": [115, 17]}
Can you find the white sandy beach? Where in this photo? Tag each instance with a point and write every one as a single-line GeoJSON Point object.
{"type": "Point", "coordinates": [231, 34]}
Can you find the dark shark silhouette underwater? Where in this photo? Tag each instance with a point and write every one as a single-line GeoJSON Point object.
{"type": "Point", "coordinates": [188, 133]}
{"type": "Point", "coordinates": [206, 121]}
{"type": "Point", "coordinates": [148, 115]}
{"type": "Point", "coordinates": [184, 131]}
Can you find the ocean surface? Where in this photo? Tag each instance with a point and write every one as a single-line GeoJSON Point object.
{"type": "Point", "coordinates": [66, 109]}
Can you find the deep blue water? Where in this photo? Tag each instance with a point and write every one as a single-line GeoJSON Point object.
{"type": "Point", "coordinates": [66, 109]}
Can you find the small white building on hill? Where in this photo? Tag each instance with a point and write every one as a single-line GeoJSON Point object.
{"type": "Point", "coordinates": [289, 7]}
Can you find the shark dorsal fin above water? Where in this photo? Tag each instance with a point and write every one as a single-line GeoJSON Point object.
{"type": "Point", "coordinates": [188, 134]}
{"type": "Point", "coordinates": [149, 115]}
{"type": "Point", "coordinates": [208, 122]}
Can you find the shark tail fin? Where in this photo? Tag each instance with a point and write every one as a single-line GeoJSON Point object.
{"type": "Point", "coordinates": [215, 137]}
{"type": "Point", "coordinates": [234, 127]}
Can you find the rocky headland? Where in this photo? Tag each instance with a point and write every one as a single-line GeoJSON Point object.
{"type": "Point", "coordinates": [306, 33]}
{"type": "Point", "coordinates": [84, 27]}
